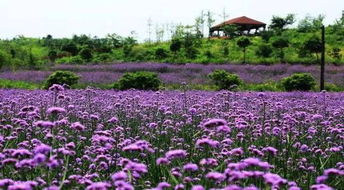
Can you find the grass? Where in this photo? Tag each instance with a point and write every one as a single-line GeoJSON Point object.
{"type": "Point", "coordinates": [18, 84]}
{"type": "Point", "coordinates": [270, 86]}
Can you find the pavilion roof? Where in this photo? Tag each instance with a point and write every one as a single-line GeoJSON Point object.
{"type": "Point", "coordinates": [241, 21]}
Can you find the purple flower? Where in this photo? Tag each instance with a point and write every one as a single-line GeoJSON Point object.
{"type": "Point", "coordinates": [56, 110]}
{"type": "Point", "coordinates": [213, 123]}
{"type": "Point", "coordinates": [122, 185]}
{"type": "Point", "coordinates": [217, 176]}
{"type": "Point", "coordinates": [236, 151]}
{"type": "Point", "coordinates": [321, 187]}
{"type": "Point", "coordinates": [179, 187]}
{"type": "Point", "coordinates": [173, 154]}
{"type": "Point", "coordinates": [274, 179]}
{"type": "Point", "coordinates": [197, 187]}
{"type": "Point", "coordinates": [162, 161]}
{"type": "Point", "coordinates": [98, 186]}
{"type": "Point", "coordinates": [42, 148]}
{"type": "Point", "coordinates": [190, 167]}
{"type": "Point", "coordinates": [56, 88]}
{"type": "Point", "coordinates": [270, 150]}
{"type": "Point", "coordinates": [39, 158]}
{"type": "Point", "coordinates": [44, 124]}
{"type": "Point", "coordinates": [78, 126]}
{"type": "Point", "coordinates": [206, 141]}
{"type": "Point", "coordinates": [163, 185]}
{"type": "Point", "coordinates": [119, 176]}
{"type": "Point", "coordinates": [233, 187]}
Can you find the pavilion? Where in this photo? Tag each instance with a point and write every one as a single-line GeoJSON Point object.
{"type": "Point", "coordinates": [244, 25]}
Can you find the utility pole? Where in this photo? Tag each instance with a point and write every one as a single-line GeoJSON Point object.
{"type": "Point", "coordinates": [322, 67]}
{"type": "Point", "coordinates": [149, 30]}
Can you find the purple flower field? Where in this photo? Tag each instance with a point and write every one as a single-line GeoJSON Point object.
{"type": "Point", "coordinates": [95, 140]}
{"type": "Point", "coordinates": [190, 73]}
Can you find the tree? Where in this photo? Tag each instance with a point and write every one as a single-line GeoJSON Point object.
{"type": "Point", "coordinates": [141, 80]}
{"type": "Point", "coordinates": [298, 82]}
{"type": "Point", "coordinates": [279, 23]}
{"type": "Point", "coordinates": [210, 19]}
{"type": "Point", "coordinates": [4, 58]}
{"type": "Point", "coordinates": [243, 43]}
{"type": "Point", "coordinates": [71, 48]}
{"type": "Point", "coordinates": [313, 45]}
{"type": "Point", "coordinates": [176, 45]}
{"type": "Point", "coordinates": [86, 54]}
{"type": "Point", "coordinates": [264, 50]}
{"type": "Point", "coordinates": [161, 53]}
{"type": "Point", "coordinates": [224, 80]}
{"type": "Point", "coordinates": [190, 41]}
{"type": "Point", "coordinates": [310, 24]}
{"type": "Point", "coordinates": [61, 77]}
{"type": "Point", "coordinates": [230, 30]}
{"type": "Point", "coordinates": [52, 55]}
{"type": "Point", "coordinates": [280, 43]}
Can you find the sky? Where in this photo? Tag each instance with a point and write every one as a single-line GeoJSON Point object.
{"type": "Point", "coordinates": [63, 18]}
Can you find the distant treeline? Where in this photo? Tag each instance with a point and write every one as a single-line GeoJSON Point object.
{"type": "Point", "coordinates": [279, 43]}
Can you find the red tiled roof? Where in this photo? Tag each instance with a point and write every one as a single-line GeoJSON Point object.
{"type": "Point", "coordinates": [240, 20]}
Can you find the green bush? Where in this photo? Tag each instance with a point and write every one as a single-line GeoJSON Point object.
{"type": "Point", "coordinates": [72, 60]}
{"type": "Point", "coordinates": [4, 83]}
{"type": "Point", "coordinates": [161, 53]}
{"type": "Point", "coordinates": [4, 58]}
{"type": "Point", "coordinates": [333, 88]}
{"type": "Point", "coordinates": [140, 80]}
{"type": "Point", "coordinates": [61, 77]}
{"type": "Point", "coordinates": [225, 80]}
{"type": "Point", "coordinates": [86, 54]}
{"type": "Point", "coordinates": [264, 50]}
{"type": "Point", "coordinates": [298, 82]}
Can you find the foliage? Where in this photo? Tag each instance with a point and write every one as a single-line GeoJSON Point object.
{"type": "Point", "coordinates": [266, 35]}
{"type": "Point", "coordinates": [70, 60]}
{"type": "Point", "coordinates": [280, 23]}
{"type": "Point", "coordinates": [243, 42]}
{"type": "Point", "coordinates": [231, 30]}
{"type": "Point", "coordinates": [299, 82]}
{"type": "Point", "coordinates": [71, 48]}
{"type": "Point", "coordinates": [10, 84]}
{"type": "Point", "coordinates": [224, 80]}
{"type": "Point", "coordinates": [176, 45]}
{"type": "Point", "coordinates": [61, 77]}
{"type": "Point", "coordinates": [86, 54]}
{"type": "Point", "coordinates": [280, 43]}
{"type": "Point", "coordinates": [311, 24]}
{"type": "Point", "coordinates": [264, 50]}
{"type": "Point", "coordinates": [4, 58]}
{"type": "Point", "coordinates": [141, 80]}
{"type": "Point", "coordinates": [313, 45]}
{"type": "Point", "coordinates": [161, 53]}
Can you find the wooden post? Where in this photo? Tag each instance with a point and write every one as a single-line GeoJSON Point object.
{"type": "Point", "coordinates": [322, 67]}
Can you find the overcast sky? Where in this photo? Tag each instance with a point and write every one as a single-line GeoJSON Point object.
{"type": "Point", "coordinates": [63, 18]}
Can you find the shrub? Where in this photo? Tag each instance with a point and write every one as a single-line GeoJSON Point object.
{"type": "Point", "coordinates": [86, 54]}
{"type": "Point", "coordinates": [225, 80]}
{"type": "Point", "coordinates": [176, 45]}
{"type": "Point", "coordinates": [161, 53]}
{"type": "Point", "coordinates": [244, 42]}
{"type": "Point", "coordinates": [4, 83]}
{"type": "Point", "coordinates": [280, 43]}
{"type": "Point", "coordinates": [299, 82]}
{"type": "Point", "coordinates": [4, 58]}
{"type": "Point", "coordinates": [73, 60]}
{"type": "Point", "coordinates": [140, 80]}
{"type": "Point", "coordinates": [61, 77]}
{"type": "Point", "coordinates": [264, 50]}
{"type": "Point", "coordinates": [71, 48]}
{"type": "Point", "coordinates": [332, 87]}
